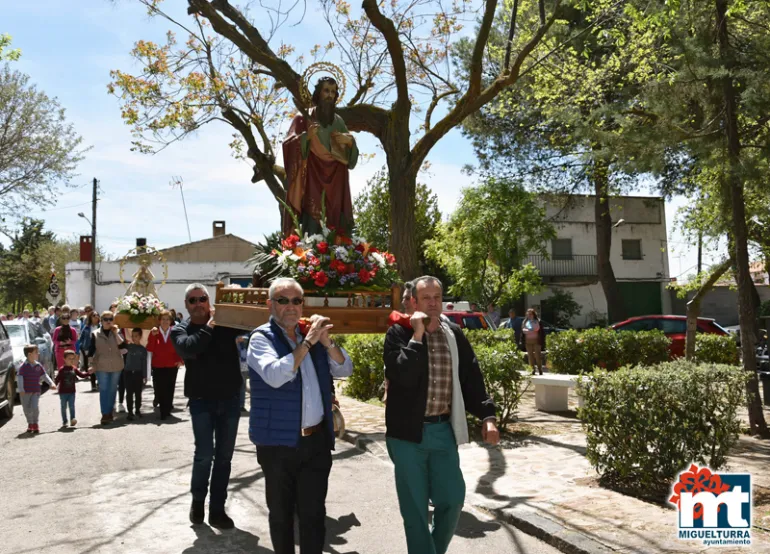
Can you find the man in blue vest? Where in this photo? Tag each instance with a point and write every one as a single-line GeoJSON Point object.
{"type": "Point", "coordinates": [291, 416]}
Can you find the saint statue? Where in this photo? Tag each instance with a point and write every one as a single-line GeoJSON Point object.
{"type": "Point", "coordinates": [143, 278]}
{"type": "Point", "coordinates": [317, 153]}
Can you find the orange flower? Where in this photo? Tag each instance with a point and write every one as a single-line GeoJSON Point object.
{"type": "Point", "coordinates": [301, 254]}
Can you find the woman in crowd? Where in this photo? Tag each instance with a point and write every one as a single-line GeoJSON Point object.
{"type": "Point", "coordinates": [64, 338]}
{"type": "Point", "coordinates": [165, 364]}
{"type": "Point", "coordinates": [172, 311]}
{"type": "Point", "coordinates": [533, 335]}
{"type": "Point", "coordinates": [106, 350]}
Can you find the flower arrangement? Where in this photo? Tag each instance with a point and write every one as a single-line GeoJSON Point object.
{"type": "Point", "coordinates": [139, 307]}
{"type": "Point", "coordinates": [332, 261]}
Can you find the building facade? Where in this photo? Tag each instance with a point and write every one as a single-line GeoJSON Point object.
{"type": "Point", "coordinates": [223, 257]}
{"type": "Point", "coordinates": [639, 256]}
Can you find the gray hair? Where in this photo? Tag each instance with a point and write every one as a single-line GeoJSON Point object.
{"type": "Point", "coordinates": [281, 283]}
{"type": "Point", "coordinates": [425, 278]}
{"type": "Point", "coordinates": [195, 286]}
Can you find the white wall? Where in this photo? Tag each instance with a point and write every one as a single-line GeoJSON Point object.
{"type": "Point", "coordinates": [180, 275]}
{"type": "Point", "coordinates": [645, 219]}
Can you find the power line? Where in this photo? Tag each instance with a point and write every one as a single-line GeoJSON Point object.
{"type": "Point", "coordinates": [66, 207]}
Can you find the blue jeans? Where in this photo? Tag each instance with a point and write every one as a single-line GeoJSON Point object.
{"type": "Point", "coordinates": [67, 400]}
{"type": "Point", "coordinates": [108, 388]}
{"type": "Point", "coordinates": [215, 427]}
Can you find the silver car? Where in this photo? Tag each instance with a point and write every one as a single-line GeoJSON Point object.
{"type": "Point", "coordinates": [23, 332]}
{"type": "Point", "coordinates": [7, 375]}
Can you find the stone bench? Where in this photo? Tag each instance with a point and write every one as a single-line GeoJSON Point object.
{"type": "Point", "coordinates": [551, 391]}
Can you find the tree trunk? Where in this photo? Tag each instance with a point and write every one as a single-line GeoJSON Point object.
{"type": "Point", "coordinates": [616, 311]}
{"type": "Point", "coordinates": [402, 183]}
{"type": "Point", "coordinates": [693, 306]}
{"type": "Point", "coordinates": [735, 197]}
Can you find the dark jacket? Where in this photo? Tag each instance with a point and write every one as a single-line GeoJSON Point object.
{"type": "Point", "coordinates": [276, 414]}
{"type": "Point", "coordinates": [406, 367]}
{"type": "Point", "coordinates": [212, 364]}
{"type": "Point", "coordinates": [67, 377]}
{"type": "Point", "coordinates": [136, 359]}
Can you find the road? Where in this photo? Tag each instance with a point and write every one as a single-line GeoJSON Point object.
{"type": "Point", "coordinates": [124, 489]}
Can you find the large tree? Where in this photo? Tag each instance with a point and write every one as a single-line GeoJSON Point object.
{"type": "Point", "coordinates": [555, 129]}
{"type": "Point", "coordinates": [396, 55]}
{"type": "Point", "coordinates": [5, 52]}
{"type": "Point", "coordinates": [485, 243]}
{"type": "Point", "coordinates": [39, 149]}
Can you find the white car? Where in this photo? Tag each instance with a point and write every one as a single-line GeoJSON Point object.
{"type": "Point", "coordinates": [23, 332]}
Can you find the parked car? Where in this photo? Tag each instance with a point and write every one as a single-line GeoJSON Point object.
{"type": "Point", "coordinates": [674, 327]}
{"type": "Point", "coordinates": [469, 320]}
{"type": "Point", "coordinates": [7, 375]}
{"type": "Point", "coordinates": [23, 332]}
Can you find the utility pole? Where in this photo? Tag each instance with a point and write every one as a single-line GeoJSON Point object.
{"type": "Point", "coordinates": [93, 245]}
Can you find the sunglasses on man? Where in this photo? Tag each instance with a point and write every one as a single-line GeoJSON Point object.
{"type": "Point", "coordinates": [107, 319]}
{"type": "Point", "coordinates": [283, 301]}
{"type": "Point", "coordinates": [195, 299]}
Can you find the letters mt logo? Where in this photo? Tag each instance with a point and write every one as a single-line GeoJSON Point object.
{"type": "Point", "coordinates": [714, 508]}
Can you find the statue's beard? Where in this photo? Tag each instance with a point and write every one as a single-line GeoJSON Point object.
{"type": "Point", "coordinates": [324, 112]}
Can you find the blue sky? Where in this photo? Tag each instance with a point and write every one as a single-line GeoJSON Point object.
{"type": "Point", "coordinates": [69, 52]}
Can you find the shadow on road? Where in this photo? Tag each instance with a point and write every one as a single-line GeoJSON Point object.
{"type": "Point", "coordinates": [233, 540]}
{"type": "Point", "coordinates": [336, 528]}
{"type": "Point", "coordinates": [471, 527]}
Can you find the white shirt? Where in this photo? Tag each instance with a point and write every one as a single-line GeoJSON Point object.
{"type": "Point", "coordinates": [276, 372]}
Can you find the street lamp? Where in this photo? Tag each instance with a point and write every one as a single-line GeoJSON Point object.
{"type": "Point", "coordinates": [93, 259]}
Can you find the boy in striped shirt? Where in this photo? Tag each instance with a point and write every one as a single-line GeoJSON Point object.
{"type": "Point", "coordinates": [29, 376]}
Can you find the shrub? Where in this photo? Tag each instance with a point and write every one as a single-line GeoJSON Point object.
{"type": "Point", "coordinates": [576, 352]}
{"type": "Point", "coordinates": [643, 347]}
{"type": "Point", "coordinates": [486, 337]}
{"type": "Point", "coordinates": [368, 367]}
{"type": "Point", "coordinates": [716, 349]}
{"type": "Point", "coordinates": [644, 425]}
{"type": "Point", "coordinates": [560, 307]}
{"type": "Point", "coordinates": [500, 366]}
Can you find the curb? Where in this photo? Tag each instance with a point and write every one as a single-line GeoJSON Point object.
{"type": "Point", "coordinates": [550, 532]}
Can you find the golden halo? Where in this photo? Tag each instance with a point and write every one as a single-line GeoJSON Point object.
{"type": "Point", "coordinates": [322, 67]}
{"type": "Point", "coordinates": [146, 251]}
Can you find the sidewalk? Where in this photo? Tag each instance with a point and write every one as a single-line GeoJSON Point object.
{"type": "Point", "coordinates": [543, 484]}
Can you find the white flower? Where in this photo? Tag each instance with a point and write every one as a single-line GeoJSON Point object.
{"type": "Point", "coordinates": [341, 253]}
{"type": "Point", "coordinates": [281, 259]}
{"type": "Point", "coordinates": [379, 258]}
{"type": "Point", "coordinates": [134, 312]}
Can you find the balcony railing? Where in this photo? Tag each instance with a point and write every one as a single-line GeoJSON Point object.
{"type": "Point", "coordinates": [583, 265]}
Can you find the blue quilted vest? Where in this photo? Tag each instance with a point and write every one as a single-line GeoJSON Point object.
{"type": "Point", "coordinates": [276, 414]}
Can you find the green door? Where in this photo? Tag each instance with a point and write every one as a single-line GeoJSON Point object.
{"type": "Point", "coordinates": [641, 298]}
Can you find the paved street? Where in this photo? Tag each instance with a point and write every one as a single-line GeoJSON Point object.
{"type": "Point", "coordinates": [124, 489]}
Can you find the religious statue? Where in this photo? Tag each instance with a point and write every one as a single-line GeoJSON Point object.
{"type": "Point", "coordinates": [143, 279]}
{"type": "Point", "coordinates": [318, 153]}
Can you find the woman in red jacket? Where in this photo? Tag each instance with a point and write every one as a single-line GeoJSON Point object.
{"type": "Point", "coordinates": [165, 364]}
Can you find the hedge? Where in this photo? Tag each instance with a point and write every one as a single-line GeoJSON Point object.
{"type": "Point", "coordinates": [368, 367]}
{"type": "Point", "coordinates": [716, 349]}
{"type": "Point", "coordinates": [576, 352]}
{"type": "Point", "coordinates": [501, 366]}
{"type": "Point", "coordinates": [645, 425]}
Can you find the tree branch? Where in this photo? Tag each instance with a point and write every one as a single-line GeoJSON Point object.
{"type": "Point", "coordinates": [434, 103]}
{"type": "Point", "coordinates": [477, 62]}
{"type": "Point", "coordinates": [392, 40]}
{"type": "Point", "coordinates": [248, 39]}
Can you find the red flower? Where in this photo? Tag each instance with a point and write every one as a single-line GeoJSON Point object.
{"type": "Point", "coordinates": [364, 276]}
{"type": "Point", "coordinates": [320, 279]}
{"type": "Point", "coordinates": [323, 247]}
{"type": "Point", "coordinates": [390, 258]}
{"type": "Point", "coordinates": [290, 242]}
{"type": "Point", "coordinates": [361, 247]}
{"type": "Point", "coordinates": [337, 266]}
{"type": "Point", "coordinates": [373, 249]}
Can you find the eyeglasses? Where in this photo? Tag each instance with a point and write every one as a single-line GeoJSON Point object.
{"type": "Point", "coordinates": [284, 301]}
{"type": "Point", "coordinates": [64, 318]}
{"type": "Point", "coordinates": [107, 319]}
{"type": "Point", "coordinates": [195, 299]}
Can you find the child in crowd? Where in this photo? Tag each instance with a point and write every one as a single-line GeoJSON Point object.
{"type": "Point", "coordinates": [66, 378]}
{"type": "Point", "coordinates": [30, 374]}
{"type": "Point", "coordinates": [135, 373]}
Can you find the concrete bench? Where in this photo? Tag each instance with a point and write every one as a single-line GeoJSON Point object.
{"type": "Point", "coordinates": [551, 391]}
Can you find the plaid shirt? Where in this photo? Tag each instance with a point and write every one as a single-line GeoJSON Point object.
{"type": "Point", "coordinates": [439, 374]}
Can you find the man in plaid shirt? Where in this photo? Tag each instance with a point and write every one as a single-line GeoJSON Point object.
{"type": "Point", "coordinates": [434, 378]}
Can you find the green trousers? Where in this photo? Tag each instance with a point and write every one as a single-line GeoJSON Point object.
{"type": "Point", "coordinates": [429, 470]}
